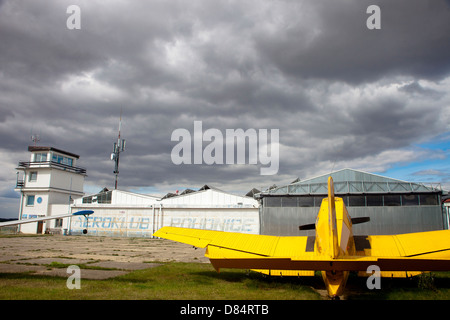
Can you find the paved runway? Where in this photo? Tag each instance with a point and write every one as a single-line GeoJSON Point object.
{"type": "Point", "coordinates": [35, 254]}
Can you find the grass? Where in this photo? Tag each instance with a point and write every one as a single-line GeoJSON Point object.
{"type": "Point", "coordinates": [179, 281]}
{"type": "Point", "coordinates": [194, 281]}
{"type": "Point", "coordinates": [60, 265]}
{"type": "Point", "coordinates": [428, 286]}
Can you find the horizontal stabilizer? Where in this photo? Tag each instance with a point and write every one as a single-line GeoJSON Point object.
{"type": "Point", "coordinates": [312, 226]}
{"type": "Point", "coordinates": [360, 220]}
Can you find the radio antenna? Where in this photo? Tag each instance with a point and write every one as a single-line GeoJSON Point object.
{"type": "Point", "coordinates": [119, 147]}
{"type": "Point", "coordinates": [35, 137]}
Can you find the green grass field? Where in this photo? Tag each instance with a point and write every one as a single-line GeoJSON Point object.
{"type": "Point", "coordinates": [194, 281]}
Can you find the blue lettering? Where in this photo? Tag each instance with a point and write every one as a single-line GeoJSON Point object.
{"type": "Point", "coordinates": [175, 222]}
{"type": "Point", "coordinates": [95, 223]}
{"type": "Point", "coordinates": [209, 223]}
{"type": "Point", "coordinates": [247, 225]}
{"type": "Point", "coordinates": [114, 224]}
{"type": "Point", "coordinates": [238, 228]}
{"type": "Point", "coordinates": [131, 224]}
{"type": "Point", "coordinates": [145, 222]}
{"type": "Point", "coordinates": [106, 222]}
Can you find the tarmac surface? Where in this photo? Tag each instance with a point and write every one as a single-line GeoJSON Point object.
{"type": "Point", "coordinates": [98, 257]}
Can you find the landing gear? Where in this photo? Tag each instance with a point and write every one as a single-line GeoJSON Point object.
{"type": "Point", "coordinates": [85, 231]}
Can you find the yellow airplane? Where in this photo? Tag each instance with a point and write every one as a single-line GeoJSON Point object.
{"type": "Point", "coordinates": [333, 250]}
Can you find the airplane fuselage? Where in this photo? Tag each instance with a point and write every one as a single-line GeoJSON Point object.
{"type": "Point", "coordinates": [334, 239]}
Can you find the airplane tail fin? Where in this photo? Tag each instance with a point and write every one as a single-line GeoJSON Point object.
{"type": "Point", "coordinates": [334, 244]}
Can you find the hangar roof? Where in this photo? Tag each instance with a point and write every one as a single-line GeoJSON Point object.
{"type": "Point", "coordinates": [205, 197]}
{"type": "Point", "coordinates": [350, 181]}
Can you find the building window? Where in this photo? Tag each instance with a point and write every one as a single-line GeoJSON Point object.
{"type": "Point", "coordinates": [375, 200]}
{"type": "Point", "coordinates": [32, 176]}
{"type": "Point", "coordinates": [356, 201]}
{"type": "Point", "coordinates": [410, 200]}
{"type": "Point", "coordinates": [392, 200]}
{"type": "Point", "coordinates": [428, 199]}
{"type": "Point", "coordinates": [272, 202]}
{"type": "Point", "coordinates": [87, 200]}
{"type": "Point", "coordinates": [289, 202]}
{"type": "Point", "coordinates": [58, 223]}
{"type": "Point", "coordinates": [40, 157]}
{"type": "Point", "coordinates": [353, 200]}
{"type": "Point", "coordinates": [30, 200]}
{"type": "Point", "coordinates": [104, 198]}
{"type": "Point", "coordinates": [63, 160]}
{"type": "Point", "coordinates": [306, 201]}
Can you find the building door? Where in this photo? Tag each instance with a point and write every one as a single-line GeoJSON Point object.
{"type": "Point", "coordinates": [40, 226]}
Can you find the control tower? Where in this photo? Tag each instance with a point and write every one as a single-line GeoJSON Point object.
{"type": "Point", "coordinates": [48, 183]}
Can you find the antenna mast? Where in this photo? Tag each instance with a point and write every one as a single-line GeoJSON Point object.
{"type": "Point", "coordinates": [35, 138]}
{"type": "Point", "coordinates": [119, 147]}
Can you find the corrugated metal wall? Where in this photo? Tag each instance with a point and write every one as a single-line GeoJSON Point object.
{"type": "Point", "coordinates": [383, 220]}
{"type": "Point", "coordinates": [141, 222]}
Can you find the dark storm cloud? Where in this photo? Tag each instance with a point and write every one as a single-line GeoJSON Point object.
{"type": "Point", "coordinates": [413, 41]}
{"type": "Point", "coordinates": [338, 92]}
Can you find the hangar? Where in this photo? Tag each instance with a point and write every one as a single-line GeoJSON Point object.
{"type": "Point", "coordinates": [394, 206]}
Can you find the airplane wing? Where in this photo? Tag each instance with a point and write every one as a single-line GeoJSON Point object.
{"type": "Point", "coordinates": [407, 248]}
{"type": "Point", "coordinates": [248, 249]}
{"type": "Point", "coordinates": [426, 251]}
{"type": "Point", "coordinates": [17, 222]}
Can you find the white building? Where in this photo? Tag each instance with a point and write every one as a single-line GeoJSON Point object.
{"type": "Point", "coordinates": [47, 183]}
{"type": "Point", "coordinates": [120, 213]}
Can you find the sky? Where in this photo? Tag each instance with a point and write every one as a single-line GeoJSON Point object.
{"type": "Point", "coordinates": [340, 94]}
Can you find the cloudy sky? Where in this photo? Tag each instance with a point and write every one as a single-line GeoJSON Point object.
{"type": "Point", "coordinates": [340, 94]}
